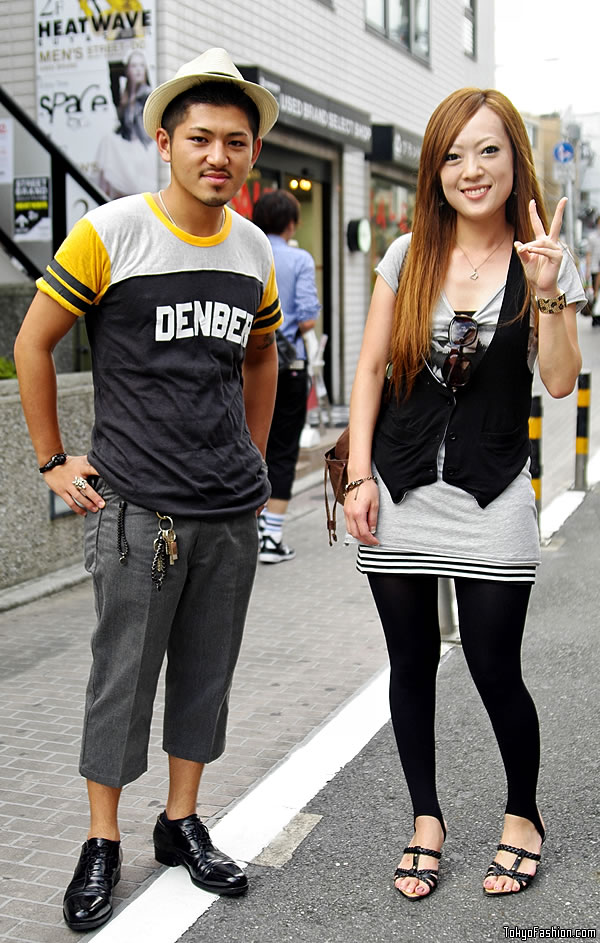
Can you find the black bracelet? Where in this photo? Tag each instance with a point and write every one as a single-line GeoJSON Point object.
{"type": "Point", "coordinates": [58, 459]}
{"type": "Point", "coordinates": [355, 484]}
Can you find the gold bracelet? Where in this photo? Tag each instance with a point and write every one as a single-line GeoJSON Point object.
{"type": "Point", "coordinates": [551, 305]}
{"type": "Point", "coordinates": [356, 484]}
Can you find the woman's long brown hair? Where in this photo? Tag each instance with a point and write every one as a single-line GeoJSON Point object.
{"type": "Point", "coordinates": [434, 224]}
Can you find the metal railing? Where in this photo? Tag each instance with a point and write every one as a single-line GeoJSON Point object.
{"type": "Point", "coordinates": [61, 168]}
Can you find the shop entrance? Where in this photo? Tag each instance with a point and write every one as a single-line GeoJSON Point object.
{"type": "Point", "coordinates": [309, 179]}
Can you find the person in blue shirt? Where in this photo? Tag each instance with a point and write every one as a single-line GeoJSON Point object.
{"type": "Point", "coordinates": [277, 214]}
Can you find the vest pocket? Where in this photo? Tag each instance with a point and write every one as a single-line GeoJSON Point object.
{"type": "Point", "coordinates": [502, 442]}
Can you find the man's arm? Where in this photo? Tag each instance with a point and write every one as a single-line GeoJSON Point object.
{"type": "Point", "coordinates": [306, 298]}
{"type": "Point", "coordinates": [45, 324]}
{"type": "Point", "coordinates": [260, 386]}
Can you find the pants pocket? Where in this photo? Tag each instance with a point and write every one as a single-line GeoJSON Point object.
{"type": "Point", "coordinates": [91, 526]}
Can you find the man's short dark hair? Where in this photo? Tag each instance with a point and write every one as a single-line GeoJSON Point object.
{"type": "Point", "coordinates": [210, 93]}
{"type": "Point", "coordinates": [273, 212]}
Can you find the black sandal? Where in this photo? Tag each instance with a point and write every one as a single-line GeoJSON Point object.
{"type": "Point", "coordinates": [498, 870]}
{"type": "Point", "coordinates": [426, 875]}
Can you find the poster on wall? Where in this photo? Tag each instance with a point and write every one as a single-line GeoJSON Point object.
{"type": "Point", "coordinates": [32, 209]}
{"type": "Point", "coordinates": [95, 67]}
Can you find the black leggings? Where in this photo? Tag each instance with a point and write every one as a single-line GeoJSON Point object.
{"type": "Point", "coordinates": [492, 619]}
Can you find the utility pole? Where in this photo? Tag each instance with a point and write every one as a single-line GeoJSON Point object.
{"type": "Point", "coordinates": [564, 172]}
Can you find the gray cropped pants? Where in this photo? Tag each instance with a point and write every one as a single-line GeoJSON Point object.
{"type": "Point", "coordinates": [196, 620]}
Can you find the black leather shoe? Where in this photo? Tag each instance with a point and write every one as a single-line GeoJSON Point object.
{"type": "Point", "coordinates": [187, 842]}
{"type": "Point", "coordinates": [87, 901]}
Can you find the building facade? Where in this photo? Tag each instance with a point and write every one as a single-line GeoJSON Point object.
{"type": "Point", "coordinates": [356, 82]}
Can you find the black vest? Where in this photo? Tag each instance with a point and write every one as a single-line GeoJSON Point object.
{"type": "Point", "coordinates": [485, 424]}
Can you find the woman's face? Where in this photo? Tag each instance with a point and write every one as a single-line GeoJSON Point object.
{"type": "Point", "coordinates": [477, 175]}
{"type": "Point", "coordinates": [136, 69]}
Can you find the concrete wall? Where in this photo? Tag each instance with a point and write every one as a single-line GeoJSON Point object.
{"type": "Point", "coordinates": [14, 302]}
{"type": "Point", "coordinates": [32, 544]}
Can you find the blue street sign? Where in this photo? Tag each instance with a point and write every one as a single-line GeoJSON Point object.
{"type": "Point", "coordinates": [564, 152]}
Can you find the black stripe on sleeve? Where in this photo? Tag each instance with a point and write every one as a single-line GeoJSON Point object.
{"type": "Point", "coordinates": [263, 324]}
{"type": "Point", "coordinates": [65, 292]}
{"type": "Point", "coordinates": [57, 269]}
{"type": "Point", "coordinates": [274, 306]}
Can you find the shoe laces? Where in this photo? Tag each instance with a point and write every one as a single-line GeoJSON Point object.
{"type": "Point", "coordinates": [96, 863]}
{"type": "Point", "coordinates": [195, 830]}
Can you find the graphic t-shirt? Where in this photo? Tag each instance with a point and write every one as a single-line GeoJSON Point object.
{"type": "Point", "coordinates": [168, 316]}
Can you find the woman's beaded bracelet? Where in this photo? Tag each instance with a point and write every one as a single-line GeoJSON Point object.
{"type": "Point", "coordinates": [355, 484]}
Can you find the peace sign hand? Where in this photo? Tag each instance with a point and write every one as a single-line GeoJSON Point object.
{"type": "Point", "coordinates": [542, 257]}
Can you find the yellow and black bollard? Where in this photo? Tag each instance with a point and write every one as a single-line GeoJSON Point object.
{"type": "Point", "coordinates": [535, 440]}
{"type": "Point", "coordinates": [583, 431]}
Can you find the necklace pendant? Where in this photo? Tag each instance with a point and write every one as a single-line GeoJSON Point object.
{"type": "Point", "coordinates": [475, 275]}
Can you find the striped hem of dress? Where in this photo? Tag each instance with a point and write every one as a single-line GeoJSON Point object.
{"type": "Point", "coordinates": [380, 560]}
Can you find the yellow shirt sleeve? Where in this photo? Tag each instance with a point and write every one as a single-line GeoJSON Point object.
{"type": "Point", "coordinates": [269, 316]}
{"type": "Point", "coordinates": [79, 273]}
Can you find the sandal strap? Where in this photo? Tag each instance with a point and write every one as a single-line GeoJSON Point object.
{"type": "Point", "coordinates": [497, 870]}
{"type": "Point", "coordinates": [520, 852]}
{"type": "Point", "coordinates": [416, 850]}
{"type": "Point", "coordinates": [426, 875]}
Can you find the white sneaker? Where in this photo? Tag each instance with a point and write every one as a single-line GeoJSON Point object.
{"type": "Point", "coordinates": [274, 551]}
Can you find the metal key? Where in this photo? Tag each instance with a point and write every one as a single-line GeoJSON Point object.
{"type": "Point", "coordinates": [166, 532]}
{"type": "Point", "coordinates": [171, 542]}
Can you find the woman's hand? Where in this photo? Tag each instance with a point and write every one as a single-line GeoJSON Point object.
{"type": "Point", "coordinates": [542, 257]}
{"type": "Point", "coordinates": [361, 507]}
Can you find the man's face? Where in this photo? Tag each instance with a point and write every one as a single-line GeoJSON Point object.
{"type": "Point", "coordinates": [211, 152]}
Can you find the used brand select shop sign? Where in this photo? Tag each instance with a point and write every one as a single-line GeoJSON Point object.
{"type": "Point", "coordinates": [307, 110]}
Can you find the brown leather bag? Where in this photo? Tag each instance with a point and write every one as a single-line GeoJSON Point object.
{"type": "Point", "coordinates": [336, 469]}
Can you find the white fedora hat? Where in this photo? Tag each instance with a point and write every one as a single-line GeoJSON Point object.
{"type": "Point", "coordinates": [214, 65]}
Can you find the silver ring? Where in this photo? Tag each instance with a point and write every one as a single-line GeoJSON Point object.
{"type": "Point", "coordinates": [80, 483]}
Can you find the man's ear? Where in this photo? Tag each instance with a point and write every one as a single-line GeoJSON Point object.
{"type": "Point", "coordinates": [256, 150]}
{"type": "Point", "coordinates": [163, 142]}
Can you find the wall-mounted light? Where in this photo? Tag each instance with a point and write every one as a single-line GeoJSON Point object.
{"type": "Point", "coordinates": [358, 235]}
{"type": "Point", "coordinates": [303, 182]}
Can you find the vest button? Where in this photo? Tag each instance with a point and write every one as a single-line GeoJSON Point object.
{"type": "Point", "coordinates": [452, 436]}
{"type": "Point", "coordinates": [451, 472]}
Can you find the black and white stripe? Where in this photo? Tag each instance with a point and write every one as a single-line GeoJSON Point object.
{"type": "Point", "coordinates": [381, 560]}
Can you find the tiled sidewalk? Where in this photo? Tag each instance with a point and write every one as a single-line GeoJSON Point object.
{"type": "Point", "coordinates": [312, 640]}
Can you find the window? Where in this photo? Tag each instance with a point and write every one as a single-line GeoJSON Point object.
{"type": "Point", "coordinates": [532, 133]}
{"type": "Point", "coordinates": [406, 22]}
{"type": "Point", "coordinates": [470, 31]}
{"type": "Point", "coordinates": [392, 208]}
{"type": "Point", "coordinates": [376, 13]}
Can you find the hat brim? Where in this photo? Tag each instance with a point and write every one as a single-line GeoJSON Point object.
{"type": "Point", "coordinates": [161, 97]}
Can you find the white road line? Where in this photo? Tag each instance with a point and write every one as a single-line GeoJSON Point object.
{"type": "Point", "coordinates": [554, 516]}
{"type": "Point", "coordinates": [171, 904]}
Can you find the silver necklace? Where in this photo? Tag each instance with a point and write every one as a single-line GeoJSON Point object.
{"type": "Point", "coordinates": [162, 203]}
{"type": "Point", "coordinates": [475, 273]}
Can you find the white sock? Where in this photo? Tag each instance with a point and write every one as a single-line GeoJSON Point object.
{"type": "Point", "coordinates": [273, 524]}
